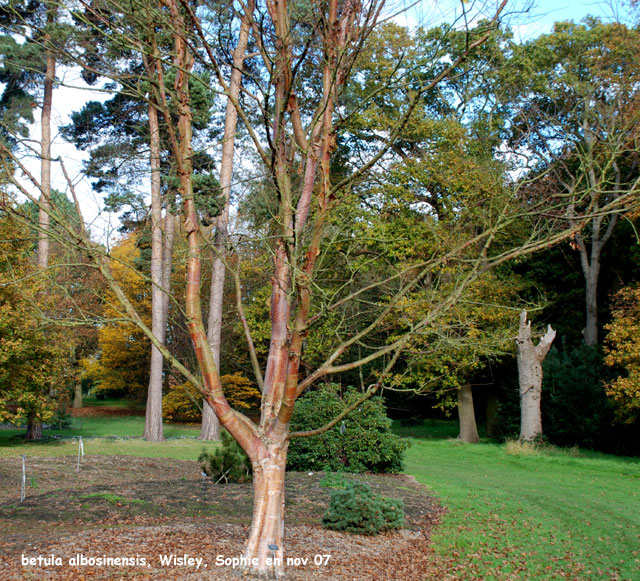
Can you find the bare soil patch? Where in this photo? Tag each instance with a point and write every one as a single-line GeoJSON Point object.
{"type": "Point", "coordinates": [141, 508]}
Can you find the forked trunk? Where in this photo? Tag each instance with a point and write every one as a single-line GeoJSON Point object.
{"type": "Point", "coordinates": [267, 527]}
{"type": "Point", "coordinates": [467, 416]}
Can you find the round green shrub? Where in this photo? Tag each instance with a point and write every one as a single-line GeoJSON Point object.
{"type": "Point", "coordinates": [363, 442]}
{"type": "Point", "coordinates": [357, 510]}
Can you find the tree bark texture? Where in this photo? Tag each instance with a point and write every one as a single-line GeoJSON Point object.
{"type": "Point", "coordinates": [267, 526]}
{"type": "Point", "coordinates": [210, 425]}
{"type": "Point", "coordinates": [466, 415]}
{"type": "Point", "coordinates": [77, 395]}
{"type": "Point", "coordinates": [530, 360]}
{"type": "Point", "coordinates": [153, 430]}
{"type": "Point", "coordinates": [45, 167]}
{"type": "Point", "coordinates": [34, 430]}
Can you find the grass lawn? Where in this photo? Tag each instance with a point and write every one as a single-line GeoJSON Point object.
{"type": "Point", "coordinates": [551, 514]}
{"type": "Point", "coordinates": [548, 515]}
{"type": "Point", "coordinates": [106, 435]}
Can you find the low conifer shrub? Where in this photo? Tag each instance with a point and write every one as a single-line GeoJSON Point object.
{"type": "Point", "coordinates": [355, 509]}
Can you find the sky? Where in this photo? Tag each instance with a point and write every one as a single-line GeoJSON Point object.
{"type": "Point", "coordinates": [538, 20]}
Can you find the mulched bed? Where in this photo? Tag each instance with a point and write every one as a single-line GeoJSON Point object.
{"type": "Point", "coordinates": [141, 508]}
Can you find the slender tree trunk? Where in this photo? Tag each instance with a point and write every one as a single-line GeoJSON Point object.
{"type": "Point", "coordinates": [530, 360]}
{"type": "Point", "coordinates": [267, 527]}
{"type": "Point", "coordinates": [153, 417]}
{"type": "Point", "coordinates": [491, 413]}
{"type": "Point", "coordinates": [590, 260]}
{"type": "Point", "coordinates": [34, 428]}
{"type": "Point", "coordinates": [167, 264]}
{"type": "Point", "coordinates": [210, 424]}
{"type": "Point", "coordinates": [45, 168]}
{"type": "Point", "coordinates": [591, 300]}
{"type": "Point", "coordinates": [467, 415]}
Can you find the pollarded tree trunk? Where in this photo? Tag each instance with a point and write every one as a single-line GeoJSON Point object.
{"type": "Point", "coordinates": [466, 415]}
{"type": "Point", "coordinates": [530, 360]}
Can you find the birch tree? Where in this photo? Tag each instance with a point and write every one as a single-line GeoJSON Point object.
{"type": "Point", "coordinates": [295, 77]}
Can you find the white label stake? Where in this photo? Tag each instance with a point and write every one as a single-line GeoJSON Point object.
{"type": "Point", "coordinates": [80, 453]}
{"type": "Point", "coordinates": [24, 478]}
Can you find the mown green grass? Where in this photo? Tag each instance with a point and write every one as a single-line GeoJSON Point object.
{"type": "Point", "coordinates": [106, 435]}
{"type": "Point", "coordinates": [96, 427]}
{"type": "Point", "coordinates": [93, 401]}
{"type": "Point", "coordinates": [548, 515]}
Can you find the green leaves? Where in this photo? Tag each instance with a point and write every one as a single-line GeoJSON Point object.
{"type": "Point", "coordinates": [357, 510]}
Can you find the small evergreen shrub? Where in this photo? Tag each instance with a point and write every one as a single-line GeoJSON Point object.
{"type": "Point", "coordinates": [363, 442]}
{"type": "Point", "coordinates": [357, 510]}
{"type": "Point", "coordinates": [229, 463]}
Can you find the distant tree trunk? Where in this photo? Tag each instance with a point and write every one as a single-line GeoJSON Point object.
{"type": "Point", "coordinates": [45, 163]}
{"type": "Point", "coordinates": [210, 425]}
{"type": "Point", "coordinates": [77, 395]}
{"type": "Point", "coordinates": [590, 258]}
{"type": "Point", "coordinates": [153, 416]}
{"type": "Point", "coordinates": [167, 263]}
{"type": "Point", "coordinates": [530, 360]}
{"type": "Point", "coordinates": [34, 430]}
{"type": "Point", "coordinates": [591, 272]}
{"type": "Point", "coordinates": [466, 415]}
{"type": "Point", "coordinates": [491, 412]}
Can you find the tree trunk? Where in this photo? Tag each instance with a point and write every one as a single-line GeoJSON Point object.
{"type": "Point", "coordinates": [34, 430]}
{"type": "Point", "coordinates": [466, 415]}
{"type": "Point", "coordinates": [591, 300]}
{"type": "Point", "coordinates": [45, 167]}
{"type": "Point", "coordinates": [267, 526]}
{"type": "Point", "coordinates": [210, 424]}
{"type": "Point", "coordinates": [491, 413]}
{"type": "Point", "coordinates": [77, 395]}
{"type": "Point", "coordinates": [153, 417]}
{"type": "Point", "coordinates": [210, 428]}
{"type": "Point", "coordinates": [530, 360]}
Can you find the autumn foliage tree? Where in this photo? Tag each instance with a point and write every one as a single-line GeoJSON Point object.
{"type": "Point", "coordinates": [120, 366]}
{"type": "Point", "coordinates": [32, 354]}
{"type": "Point", "coordinates": [623, 352]}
